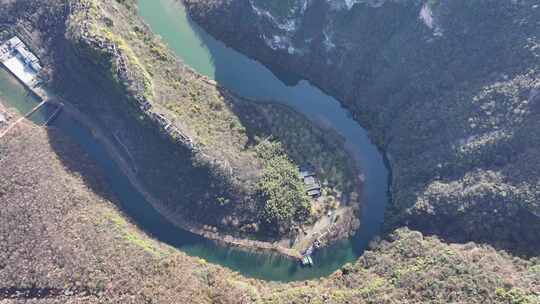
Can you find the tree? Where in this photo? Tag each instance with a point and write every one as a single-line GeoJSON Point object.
{"type": "Point", "coordinates": [280, 188]}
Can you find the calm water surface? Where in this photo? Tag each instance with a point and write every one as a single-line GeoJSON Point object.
{"type": "Point", "coordinates": [250, 79]}
{"type": "Point", "coordinates": [18, 97]}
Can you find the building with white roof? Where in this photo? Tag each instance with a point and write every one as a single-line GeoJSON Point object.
{"type": "Point", "coordinates": [20, 61]}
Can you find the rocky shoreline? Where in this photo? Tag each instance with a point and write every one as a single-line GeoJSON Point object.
{"type": "Point", "coordinates": [218, 129]}
{"type": "Point", "coordinates": [66, 241]}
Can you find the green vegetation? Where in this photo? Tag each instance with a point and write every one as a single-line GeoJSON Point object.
{"type": "Point", "coordinates": [133, 65]}
{"type": "Point", "coordinates": [515, 296]}
{"type": "Point", "coordinates": [92, 32]}
{"type": "Point", "coordinates": [131, 236]}
{"type": "Point", "coordinates": [318, 146]}
{"type": "Point", "coordinates": [62, 226]}
{"type": "Point", "coordinates": [60, 234]}
{"type": "Point", "coordinates": [282, 191]}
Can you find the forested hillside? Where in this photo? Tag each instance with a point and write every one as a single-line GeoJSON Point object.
{"type": "Point", "coordinates": [449, 89]}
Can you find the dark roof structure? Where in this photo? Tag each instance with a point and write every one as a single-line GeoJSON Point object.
{"type": "Point", "coordinates": [308, 176]}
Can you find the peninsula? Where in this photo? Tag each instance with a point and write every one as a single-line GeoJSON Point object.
{"type": "Point", "coordinates": [243, 158]}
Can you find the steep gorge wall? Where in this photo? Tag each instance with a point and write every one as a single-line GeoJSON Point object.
{"type": "Point", "coordinates": [449, 89]}
{"type": "Point", "coordinates": [95, 70]}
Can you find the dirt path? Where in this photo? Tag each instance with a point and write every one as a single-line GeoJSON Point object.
{"type": "Point", "coordinates": [321, 228]}
{"type": "Point", "coordinates": [23, 118]}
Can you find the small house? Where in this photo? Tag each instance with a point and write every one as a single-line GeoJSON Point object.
{"type": "Point", "coordinates": [308, 176]}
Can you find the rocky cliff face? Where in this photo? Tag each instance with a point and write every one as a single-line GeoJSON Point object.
{"type": "Point", "coordinates": [449, 89]}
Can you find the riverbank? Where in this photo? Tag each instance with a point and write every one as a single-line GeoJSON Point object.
{"type": "Point", "coordinates": [66, 240]}
{"type": "Point", "coordinates": [324, 230]}
{"type": "Point", "coordinates": [6, 117]}
{"type": "Point", "coordinates": [339, 228]}
{"type": "Point", "coordinates": [124, 165]}
{"type": "Point", "coordinates": [220, 238]}
{"type": "Point", "coordinates": [113, 151]}
{"type": "Point", "coordinates": [333, 224]}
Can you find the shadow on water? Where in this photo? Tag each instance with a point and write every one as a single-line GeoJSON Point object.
{"type": "Point", "coordinates": [123, 193]}
{"type": "Point", "coordinates": [252, 80]}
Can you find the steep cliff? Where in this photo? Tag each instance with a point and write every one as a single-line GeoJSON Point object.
{"type": "Point", "coordinates": [449, 89]}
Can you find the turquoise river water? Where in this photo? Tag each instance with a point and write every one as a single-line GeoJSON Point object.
{"type": "Point", "coordinates": [250, 79]}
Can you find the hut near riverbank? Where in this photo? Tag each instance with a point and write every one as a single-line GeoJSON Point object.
{"type": "Point", "coordinates": [311, 181]}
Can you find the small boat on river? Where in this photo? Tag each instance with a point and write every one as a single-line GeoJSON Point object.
{"type": "Point", "coordinates": [306, 257]}
{"type": "Point", "coordinates": [307, 260]}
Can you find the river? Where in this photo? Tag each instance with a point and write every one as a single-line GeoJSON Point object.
{"type": "Point", "coordinates": [248, 78]}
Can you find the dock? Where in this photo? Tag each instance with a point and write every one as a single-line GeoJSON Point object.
{"type": "Point", "coordinates": [307, 260]}
{"type": "Point", "coordinates": [17, 58]}
{"type": "Point", "coordinates": [59, 107]}
{"type": "Point", "coordinates": [306, 256]}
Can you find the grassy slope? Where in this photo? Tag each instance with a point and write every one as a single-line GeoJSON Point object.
{"type": "Point", "coordinates": [62, 233]}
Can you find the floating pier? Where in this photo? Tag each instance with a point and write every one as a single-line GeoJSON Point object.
{"type": "Point", "coordinates": [16, 57]}
{"type": "Point", "coordinates": [59, 107]}
{"type": "Point", "coordinates": [306, 257]}
{"type": "Point", "coordinates": [307, 260]}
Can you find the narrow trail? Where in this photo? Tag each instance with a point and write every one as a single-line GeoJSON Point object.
{"type": "Point", "coordinates": [23, 118]}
